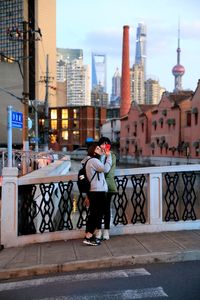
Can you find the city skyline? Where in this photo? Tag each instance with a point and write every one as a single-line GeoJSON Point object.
{"type": "Point", "coordinates": [98, 26]}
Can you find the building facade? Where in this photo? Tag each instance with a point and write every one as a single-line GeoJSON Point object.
{"type": "Point", "coordinates": [23, 23]}
{"type": "Point", "coordinates": [153, 91]}
{"type": "Point", "coordinates": [71, 127]}
{"type": "Point", "coordinates": [61, 68]}
{"type": "Point", "coordinates": [137, 83]}
{"type": "Point", "coordinates": [78, 83]}
{"type": "Point", "coordinates": [69, 54]}
{"type": "Point", "coordinates": [99, 97]}
{"type": "Point", "coordinates": [116, 86]}
{"type": "Point", "coordinates": [168, 129]}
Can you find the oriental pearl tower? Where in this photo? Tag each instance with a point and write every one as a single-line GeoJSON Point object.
{"type": "Point", "coordinates": [178, 70]}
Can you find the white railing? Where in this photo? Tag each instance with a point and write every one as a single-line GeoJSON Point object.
{"type": "Point", "coordinates": [55, 173]}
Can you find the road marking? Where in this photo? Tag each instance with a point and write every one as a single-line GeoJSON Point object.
{"type": "Point", "coordinates": [147, 293]}
{"type": "Point", "coordinates": [74, 277]}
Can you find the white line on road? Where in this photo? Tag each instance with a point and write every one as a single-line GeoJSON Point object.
{"type": "Point", "coordinates": [147, 293]}
{"type": "Point", "coordinates": [73, 277]}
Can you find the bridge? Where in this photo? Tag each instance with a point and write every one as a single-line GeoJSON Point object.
{"type": "Point", "coordinates": [45, 205]}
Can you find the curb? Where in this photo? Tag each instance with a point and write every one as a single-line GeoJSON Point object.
{"type": "Point", "coordinates": [110, 262]}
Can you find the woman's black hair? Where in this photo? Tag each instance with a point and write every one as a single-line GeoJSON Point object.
{"type": "Point", "coordinates": [103, 140]}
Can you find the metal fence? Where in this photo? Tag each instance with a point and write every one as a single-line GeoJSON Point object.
{"type": "Point", "coordinates": [48, 206]}
{"type": "Point", "coordinates": [28, 161]}
{"type": "Point", "coordinates": [58, 206]}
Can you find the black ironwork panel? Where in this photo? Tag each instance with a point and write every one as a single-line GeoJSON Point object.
{"type": "Point", "coordinates": [83, 211]}
{"type": "Point", "coordinates": [120, 201]}
{"type": "Point", "coordinates": [27, 210]}
{"type": "Point", "coordinates": [171, 197]}
{"type": "Point", "coordinates": [65, 205]}
{"type": "Point", "coordinates": [138, 198]}
{"type": "Point", "coordinates": [189, 196]}
{"type": "Point", "coordinates": [47, 207]}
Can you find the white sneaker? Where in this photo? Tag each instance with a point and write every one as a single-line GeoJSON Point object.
{"type": "Point", "coordinates": [98, 234]}
{"type": "Point", "coordinates": [106, 234]}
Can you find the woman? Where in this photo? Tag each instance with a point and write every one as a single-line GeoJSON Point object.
{"type": "Point", "coordinates": [105, 143]}
{"type": "Point", "coordinates": [95, 170]}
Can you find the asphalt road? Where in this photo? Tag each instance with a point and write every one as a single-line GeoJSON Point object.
{"type": "Point", "coordinates": [177, 281]}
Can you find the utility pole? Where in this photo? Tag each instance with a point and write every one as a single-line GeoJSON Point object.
{"type": "Point", "coordinates": [25, 85]}
{"type": "Point", "coordinates": [24, 36]}
{"type": "Point", "coordinates": [36, 125]}
{"type": "Point", "coordinates": [46, 80]}
{"type": "Point", "coordinates": [46, 107]}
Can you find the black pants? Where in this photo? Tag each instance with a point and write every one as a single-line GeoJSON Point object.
{"type": "Point", "coordinates": [95, 211]}
{"type": "Point", "coordinates": [106, 211]}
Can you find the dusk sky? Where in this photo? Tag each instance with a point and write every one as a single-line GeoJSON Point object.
{"type": "Point", "coordinates": [97, 26]}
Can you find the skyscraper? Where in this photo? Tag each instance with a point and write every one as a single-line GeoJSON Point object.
{"type": "Point", "coordinates": [137, 84]}
{"type": "Point", "coordinates": [116, 86]}
{"type": "Point", "coordinates": [65, 56]}
{"type": "Point", "coordinates": [99, 97]}
{"type": "Point", "coordinates": [11, 13]}
{"type": "Point", "coordinates": [78, 83]}
{"type": "Point", "coordinates": [75, 75]}
{"type": "Point", "coordinates": [138, 74]}
{"type": "Point", "coordinates": [61, 69]}
{"type": "Point", "coordinates": [99, 70]}
{"type": "Point", "coordinates": [140, 53]}
{"type": "Point", "coordinates": [153, 91]}
{"type": "Point", "coordinates": [70, 54]}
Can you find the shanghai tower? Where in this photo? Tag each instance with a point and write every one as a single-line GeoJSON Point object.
{"type": "Point", "coordinates": [140, 53]}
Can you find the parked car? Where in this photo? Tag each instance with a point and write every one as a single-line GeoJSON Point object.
{"type": "Point", "coordinates": [79, 153]}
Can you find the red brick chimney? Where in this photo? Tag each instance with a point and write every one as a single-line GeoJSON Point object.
{"type": "Point", "coordinates": [125, 80]}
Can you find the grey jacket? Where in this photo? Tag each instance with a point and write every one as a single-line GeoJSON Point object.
{"type": "Point", "coordinates": [98, 183]}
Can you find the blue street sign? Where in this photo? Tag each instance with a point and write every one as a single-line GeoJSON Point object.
{"type": "Point", "coordinates": [34, 140]}
{"type": "Point", "coordinates": [17, 119]}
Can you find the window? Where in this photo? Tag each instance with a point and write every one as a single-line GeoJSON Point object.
{"type": "Point", "coordinates": [75, 113]}
{"type": "Point", "coordinates": [54, 114]}
{"type": "Point", "coordinates": [76, 124]}
{"type": "Point", "coordinates": [154, 123]}
{"type": "Point", "coordinates": [195, 112]}
{"type": "Point", "coordinates": [195, 119]}
{"type": "Point", "coordinates": [76, 135]}
{"type": "Point", "coordinates": [64, 123]}
{"type": "Point", "coordinates": [41, 122]}
{"type": "Point", "coordinates": [135, 130]}
{"type": "Point", "coordinates": [64, 113]}
{"type": "Point", "coordinates": [188, 118]}
{"type": "Point", "coordinates": [65, 135]}
{"type": "Point", "coordinates": [161, 122]}
{"type": "Point", "coordinates": [53, 124]}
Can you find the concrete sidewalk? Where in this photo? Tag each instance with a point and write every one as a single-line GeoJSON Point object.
{"type": "Point", "coordinates": [123, 250]}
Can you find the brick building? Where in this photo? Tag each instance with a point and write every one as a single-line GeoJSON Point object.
{"type": "Point", "coordinates": [169, 129]}
{"type": "Point", "coordinates": [70, 127]}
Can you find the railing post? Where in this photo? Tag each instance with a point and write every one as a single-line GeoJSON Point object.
{"type": "Point", "coordinates": [9, 206]}
{"type": "Point", "coordinates": [155, 198]}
